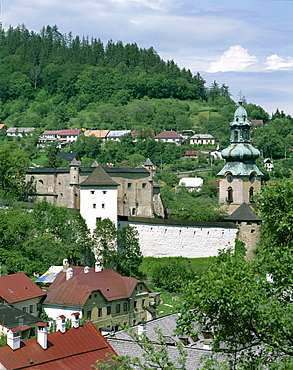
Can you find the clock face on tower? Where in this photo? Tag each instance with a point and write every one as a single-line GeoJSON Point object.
{"type": "Point", "coordinates": [229, 177]}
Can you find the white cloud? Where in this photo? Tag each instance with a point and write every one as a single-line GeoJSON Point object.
{"type": "Point", "coordinates": [236, 59]}
{"type": "Point", "coordinates": [278, 63]}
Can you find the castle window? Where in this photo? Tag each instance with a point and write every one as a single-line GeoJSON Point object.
{"type": "Point", "coordinates": [92, 192]}
{"type": "Point", "coordinates": [133, 211]}
{"type": "Point", "coordinates": [94, 205]}
{"type": "Point", "coordinates": [104, 191]}
{"type": "Point", "coordinates": [129, 185]}
{"type": "Point", "coordinates": [103, 205]}
{"type": "Point", "coordinates": [144, 185]}
{"type": "Point", "coordinates": [230, 195]}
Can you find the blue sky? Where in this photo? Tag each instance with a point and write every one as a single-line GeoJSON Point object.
{"type": "Point", "coordinates": [247, 45]}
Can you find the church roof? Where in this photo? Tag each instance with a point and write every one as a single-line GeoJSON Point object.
{"type": "Point", "coordinates": [243, 213]}
{"type": "Point", "coordinates": [240, 169]}
{"type": "Point", "coordinates": [99, 178]}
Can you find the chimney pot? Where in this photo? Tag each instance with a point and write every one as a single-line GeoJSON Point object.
{"type": "Point", "coordinates": [75, 320]}
{"type": "Point", "coordinates": [98, 267]}
{"type": "Point", "coordinates": [13, 339]}
{"type": "Point", "coordinates": [69, 273]}
{"type": "Point", "coordinates": [42, 335]}
{"type": "Point", "coordinates": [86, 270]}
{"type": "Point", "coordinates": [61, 323]}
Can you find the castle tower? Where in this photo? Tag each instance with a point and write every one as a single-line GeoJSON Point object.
{"type": "Point", "coordinates": [98, 198]}
{"type": "Point", "coordinates": [74, 180]}
{"type": "Point", "coordinates": [240, 178]}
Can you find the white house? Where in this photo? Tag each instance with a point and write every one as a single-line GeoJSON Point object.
{"type": "Point", "coordinates": [116, 135]}
{"type": "Point", "coordinates": [19, 131]}
{"type": "Point", "coordinates": [169, 137]}
{"type": "Point", "coordinates": [191, 183]}
{"type": "Point", "coordinates": [200, 139]}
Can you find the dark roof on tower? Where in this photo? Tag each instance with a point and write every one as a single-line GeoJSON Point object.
{"type": "Point", "coordinates": [243, 213]}
{"type": "Point", "coordinates": [99, 178]}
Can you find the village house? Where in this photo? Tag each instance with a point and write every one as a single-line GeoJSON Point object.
{"type": "Point", "coordinates": [12, 318]}
{"type": "Point", "coordinates": [169, 137]}
{"type": "Point", "coordinates": [20, 292]}
{"type": "Point", "coordinates": [76, 348]}
{"type": "Point", "coordinates": [99, 134]}
{"type": "Point", "coordinates": [202, 139]}
{"type": "Point", "coordinates": [19, 131]}
{"type": "Point", "coordinates": [100, 295]}
{"type": "Point", "coordinates": [116, 135]}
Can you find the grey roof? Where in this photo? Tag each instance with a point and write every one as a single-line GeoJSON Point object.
{"type": "Point", "coordinates": [148, 162]}
{"type": "Point", "coordinates": [240, 169]}
{"type": "Point", "coordinates": [74, 162]}
{"type": "Point", "coordinates": [20, 129]}
{"type": "Point", "coordinates": [124, 345]}
{"type": "Point", "coordinates": [117, 133]}
{"type": "Point", "coordinates": [12, 317]}
{"type": "Point", "coordinates": [68, 156]}
{"type": "Point", "coordinates": [243, 213]}
{"type": "Point", "coordinates": [170, 221]}
{"type": "Point", "coordinates": [98, 178]}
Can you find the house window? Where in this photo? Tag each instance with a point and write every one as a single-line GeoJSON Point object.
{"type": "Point", "coordinates": [125, 306]}
{"type": "Point", "coordinates": [98, 219]}
{"type": "Point", "coordinates": [24, 309]}
{"type": "Point", "coordinates": [104, 191]}
{"type": "Point", "coordinates": [90, 296]}
{"type": "Point", "coordinates": [32, 308]}
{"type": "Point", "coordinates": [144, 185]}
{"type": "Point", "coordinates": [100, 312]}
{"type": "Point", "coordinates": [94, 205]}
{"type": "Point", "coordinates": [96, 294]}
{"type": "Point", "coordinates": [134, 304]}
{"type": "Point", "coordinates": [129, 185]}
{"type": "Point", "coordinates": [109, 310]}
{"type": "Point", "coordinates": [103, 205]}
{"type": "Point", "coordinates": [89, 314]}
{"type": "Point", "coordinates": [118, 308]}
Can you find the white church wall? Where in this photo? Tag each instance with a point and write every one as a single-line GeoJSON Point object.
{"type": "Point", "coordinates": [185, 239]}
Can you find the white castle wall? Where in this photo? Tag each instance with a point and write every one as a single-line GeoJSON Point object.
{"type": "Point", "coordinates": [172, 238]}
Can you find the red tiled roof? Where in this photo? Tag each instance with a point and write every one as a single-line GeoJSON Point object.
{"type": "Point", "coordinates": [168, 134]}
{"type": "Point", "coordinates": [75, 349]}
{"type": "Point", "coordinates": [256, 122]}
{"type": "Point", "coordinates": [52, 132]}
{"type": "Point", "coordinates": [70, 132]}
{"type": "Point", "coordinates": [192, 152]}
{"type": "Point", "coordinates": [75, 291]}
{"type": "Point", "coordinates": [18, 287]}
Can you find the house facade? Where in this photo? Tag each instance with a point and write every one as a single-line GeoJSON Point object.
{"type": "Point", "coordinates": [100, 295]}
{"type": "Point", "coordinates": [20, 292]}
{"type": "Point", "coordinates": [202, 139]}
{"type": "Point", "coordinates": [169, 137]}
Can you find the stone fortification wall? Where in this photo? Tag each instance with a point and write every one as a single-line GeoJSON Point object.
{"type": "Point", "coordinates": [173, 238]}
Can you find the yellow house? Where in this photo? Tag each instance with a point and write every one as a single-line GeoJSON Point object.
{"type": "Point", "coordinates": [100, 295]}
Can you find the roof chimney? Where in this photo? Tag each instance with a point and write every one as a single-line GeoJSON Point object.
{"type": "Point", "coordinates": [86, 270]}
{"type": "Point", "coordinates": [42, 335]}
{"type": "Point", "coordinates": [75, 319]}
{"type": "Point", "coordinates": [69, 273]}
{"type": "Point", "coordinates": [98, 267]}
{"type": "Point", "coordinates": [13, 339]}
{"type": "Point", "coordinates": [141, 328]}
{"type": "Point", "coordinates": [61, 323]}
{"type": "Point", "coordinates": [65, 264]}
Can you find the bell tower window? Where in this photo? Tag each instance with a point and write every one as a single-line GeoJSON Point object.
{"type": "Point", "coordinates": [230, 195]}
{"type": "Point", "coordinates": [251, 194]}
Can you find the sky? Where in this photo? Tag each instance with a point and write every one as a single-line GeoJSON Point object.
{"type": "Point", "coordinates": [244, 44]}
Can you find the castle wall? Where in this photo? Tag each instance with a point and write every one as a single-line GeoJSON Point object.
{"type": "Point", "coordinates": [172, 238]}
{"type": "Point", "coordinates": [249, 234]}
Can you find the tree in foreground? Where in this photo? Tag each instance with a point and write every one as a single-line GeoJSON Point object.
{"type": "Point", "coordinates": [249, 315]}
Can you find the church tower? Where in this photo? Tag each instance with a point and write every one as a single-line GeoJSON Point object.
{"type": "Point", "coordinates": [240, 178]}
